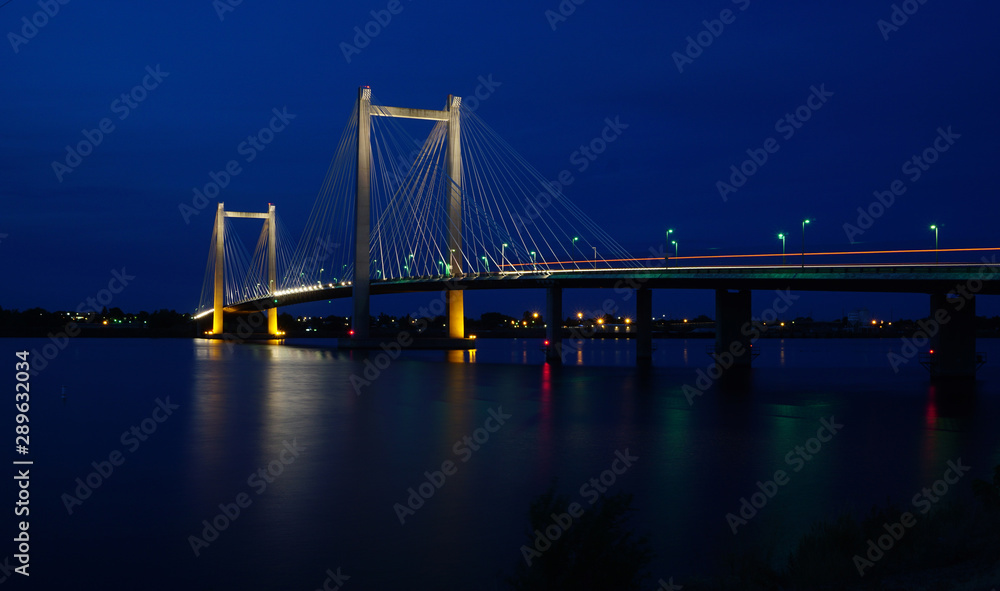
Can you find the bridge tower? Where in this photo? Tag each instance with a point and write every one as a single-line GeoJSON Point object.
{"type": "Point", "coordinates": [218, 300]}
{"type": "Point", "coordinates": [362, 207]}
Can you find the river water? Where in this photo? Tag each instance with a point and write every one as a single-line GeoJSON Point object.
{"type": "Point", "coordinates": [316, 462]}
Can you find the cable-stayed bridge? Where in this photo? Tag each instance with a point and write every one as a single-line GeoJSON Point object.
{"type": "Point", "coordinates": [461, 210]}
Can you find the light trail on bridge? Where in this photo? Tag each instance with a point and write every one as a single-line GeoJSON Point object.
{"type": "Point", "coordinates": [757, 255]}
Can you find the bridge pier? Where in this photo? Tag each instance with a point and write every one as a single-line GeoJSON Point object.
{"type": "Point", "coordinates": [456, 313]}
{"type": "Point", "coordinates": [553, 324]}
{"type": "Point", "coordinates": [732, 313]}
{"type": "Point", "coordinates": [362, 218]}
{"type": "Point", "coordinates": [644, 325]}
{"type": "Point", "coordinates": [954, 343]}
{"type": "Point", "coordinates": [220, 250]}
{"type": "Point", "coordinates": [272, 267]}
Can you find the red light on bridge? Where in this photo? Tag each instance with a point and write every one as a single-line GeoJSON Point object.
{"type": "Point", "coordinates": [351, 332]}
{"type": "Point", "coordinates": [932, 351]}
{"type": "Point", "coordinates": [546, 343]}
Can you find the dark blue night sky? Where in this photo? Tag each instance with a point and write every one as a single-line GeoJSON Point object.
{"type": "Point", "coordinates": [548, 83]}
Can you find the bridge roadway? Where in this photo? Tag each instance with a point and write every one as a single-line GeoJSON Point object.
{"type": "Point", "coordinates": [929, 279]}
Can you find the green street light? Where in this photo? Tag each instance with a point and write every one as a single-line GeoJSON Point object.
{"type": "Point", "coordinates": [486, 264]}
{"type": "Point", "coordinates": [534, 267]}
{"type": "Point", "coordinates": [782, 237]}
{"type": "Point", "coordinates": [804, 222]}
{"type": "Point", "coordinates": [503, 258]}
{"type": "Point", "coordinates": [676, 248]}
{"type": "Point", "coordinates": [666, 256]}
{"type": "Point", "coordinates": [935, 228]}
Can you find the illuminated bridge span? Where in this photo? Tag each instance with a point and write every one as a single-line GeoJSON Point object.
{"type": "Point", "coordinates": [462, 211]}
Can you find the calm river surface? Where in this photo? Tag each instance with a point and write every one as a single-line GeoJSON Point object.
{"type": "Point", "coordinates": [340, 461]}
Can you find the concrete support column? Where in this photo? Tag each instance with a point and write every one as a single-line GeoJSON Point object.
{"type": "Point", "coordinates": [362, 217]}
{"type": "Point", "coordinates": [456, 313]}
{"type": "Point", "coordinates": [220, 257]}
{"type": "Point", "coordinates": [644, 325]}
{"type": "Point", "coordinates": [553, 324]}
{"type": "Point", "coordinates": [454, 170]}
{"type": "Point", "coordinates": [732, 312]}
{"type": "Point", "coordinates": [954, 343]}
{"type": "Point", "coordinates": [456, 298]}
{"type": "Point", "coordinates": [272, 267]}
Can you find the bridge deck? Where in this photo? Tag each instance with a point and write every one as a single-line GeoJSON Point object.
{"type": "Point", "coordinates": [978, 279]}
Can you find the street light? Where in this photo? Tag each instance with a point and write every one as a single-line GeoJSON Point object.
{"type": "Point", "coordinates": [575, 238]}
{"type": "Point", "coordinates": [666, 257]}
{"type": "Point", "coordinates": [533, 266]}
{"type": "Point", "coordinates": [676, 248]}
{"type": "Point", "coordinates": [595, 257]}
{"type": "Point", "coordinates": [782, 236]}
{"type": "Point", "coordinates": [804, 222]}
{"type": "Point", "coordinates": [935, 228]}
{"type": "Point", "coordinates": [486, 264]}
{"type": "Point", "coordinates": [502, 257]}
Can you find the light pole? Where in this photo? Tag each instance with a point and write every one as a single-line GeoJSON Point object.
{"type": "Point", "coordinates": [804, 222]}
{"type": "Point", "coordinates": [676, 248]}
{"type": "Point", "coordinates": [782, 236]}
{"type": "Point", "coordinates": [935, 228]}
{"type": "Point", "coordinates": [575, 238]}
{"type": "Point", "coordinates": [595, 257]}
{"type": "Point", "coordinates": [533, 266]}
{"type": "Point", "coordinates": [486, 264]}
{"type": "Point", "coordinates": [502, 256]}
{"type": "Point", "coordinates": [666, 257]}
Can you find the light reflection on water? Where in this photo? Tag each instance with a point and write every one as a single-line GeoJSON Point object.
{"type": "Point", "coordinates": [334, 505]}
